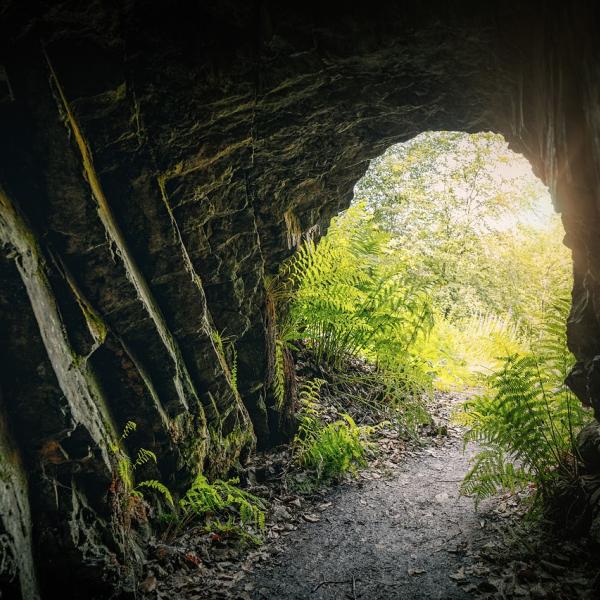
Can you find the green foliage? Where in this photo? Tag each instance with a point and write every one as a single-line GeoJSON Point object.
{"type": "Point", "coordinates": [158, 487]}
{"type": "Point", "coordinates": [225, 347]}
{"type": "Point", "coordinates": [353, 296]}
{"type": "Point", "coordinates": [396, 395]}
{"type": "Point", "coordinates": [472, 223]}
{"type": "Point", "coordinates": [461, 352]}
{"type": "Point", "coordinates": [492, 471]}
{"type": "Point", "coordinates": [126, 468]}
{"type": "Point", "coordinates": [527, 424]}
{"type": "Point", "coordinates": [282, 331]}
{"type": "Point", "coordinates": [279, 375]}
{"type": "Point", "coordinates": [221, 506]}
{"type": "Point", "coordinates": [224, 508]}
{"type": "Point", "coordinates": [449, 199]}
{"type": "Point", "coordinates": [328, 449]}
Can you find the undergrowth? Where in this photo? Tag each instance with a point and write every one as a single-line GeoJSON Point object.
{"type": "Point", "coordinates": [219, 507]}
{"type": "Point", "coordinates": [350, 296]}
{"type": "Point", "coordinates": [352, 299]}
{"type": "Point", "coordinates": [528, 421]}
{"type": "Point", "coordinates": [133, 491]}
{"type": "Point", "coordinates": [328, 450]}
{"type": "Point", "coordinates": [222, 508]}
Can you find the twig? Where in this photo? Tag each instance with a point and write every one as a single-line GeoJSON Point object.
{"type": "Point", "coordinates": [443, 547]}
{"type": "Point", "coordinates": [329, 583]}
{"type": "Point", "coordinates": [353, 587]}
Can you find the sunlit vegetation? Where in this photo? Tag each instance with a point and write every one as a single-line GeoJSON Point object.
{"type": "Point", "coordinates": [448, 272]}
{"type": "Point", "coordinates": [527, 422]}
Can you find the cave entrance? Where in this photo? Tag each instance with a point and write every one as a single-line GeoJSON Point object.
{"type": "Point", "coordinates": [430, 324]}
{"type": "Point", "coordinates": [445, 288]}
{"type": "Point", "coordinates": [473, 230]}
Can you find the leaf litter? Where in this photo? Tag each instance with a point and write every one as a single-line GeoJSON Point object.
{"type": "Point", "coordinates": [399, 530]}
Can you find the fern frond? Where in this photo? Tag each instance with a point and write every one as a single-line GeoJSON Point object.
{"type": "Point", "coordinates": [528, 423]}
{"type": "Point", "coordinates": [130, 427]}
{"type": "Point", "coordinates": [159, 487]}
{"type": "Point", "coordinates": [144, 456]}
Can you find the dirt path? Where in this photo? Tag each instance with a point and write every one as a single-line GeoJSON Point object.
{"type": "Point", "coordinates": [400, 531]}
{"type": "Point", "coordinates": [404, 536]}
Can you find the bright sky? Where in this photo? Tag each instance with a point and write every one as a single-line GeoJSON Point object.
{"type": "Point", "coordinates": [541, 214]}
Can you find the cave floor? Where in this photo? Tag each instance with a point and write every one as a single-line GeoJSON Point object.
{"type": "Point", "coordinates": [409, 535]}
{"type": "Point", "coordinates": [401, 530]}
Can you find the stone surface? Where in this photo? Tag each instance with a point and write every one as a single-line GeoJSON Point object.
{"type": "Point", "coordinates": [158, 160]}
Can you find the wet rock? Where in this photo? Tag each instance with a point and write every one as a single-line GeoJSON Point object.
{"type": "Point", "coordinates": [588, 444]}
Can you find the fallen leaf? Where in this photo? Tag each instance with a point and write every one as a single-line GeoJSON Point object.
{"type": "Point", "coordinates": [148, 585]}
{"type": "Point", "coordinates": [458, 575]}
{"type": "Point", "coordinates": [311, 518]}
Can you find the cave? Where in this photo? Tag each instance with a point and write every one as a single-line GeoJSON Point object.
{"type": "Point", "coordinates": [158, 162]}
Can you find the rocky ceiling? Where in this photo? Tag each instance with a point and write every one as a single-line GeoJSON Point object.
{"type": "Point", "coordinates": [157, 163]}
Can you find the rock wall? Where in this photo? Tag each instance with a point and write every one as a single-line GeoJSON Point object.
{"type": "Point", "coordinates": [159, 160]}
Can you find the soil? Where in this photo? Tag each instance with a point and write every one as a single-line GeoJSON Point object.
{"type": "Point", "coordinates": [399, 530]}
{"type": "Point", "coordinates": [402, 536]}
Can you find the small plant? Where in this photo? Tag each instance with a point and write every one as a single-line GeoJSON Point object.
{"type": "Point", "coordinates": [329, 450]}
{"type": "Point", "coordinates": [223, 508]}
{"type": "Point", "coordinates": [222, 345]}
{"type": "Point", "coordinates": [126, 468]}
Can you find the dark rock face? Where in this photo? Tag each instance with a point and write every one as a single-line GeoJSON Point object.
{"type": "Point", "coordinates": [158, 160]}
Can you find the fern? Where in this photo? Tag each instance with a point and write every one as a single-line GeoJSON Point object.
{"type": "Point", "coordinates": [353, 297]}
{"type": "Point", "coordinates": [125, 471]}
{"type": "Point", "coordinates": [213, 501]}
{"type": "Point", "coordinates": [528, 423]}
{"type": "Point", "coordinates": [144, 456]}
{"type": "Point", "coordinates": [279, 375]}
{"type": "Point", "coordinates": [490, 472]}
{"type": "Point", "coordinates": [130, 427]}
{"type": "Point", "coordinates": [234, 368]}
{"type": "Point", "coordinates": [332, 449]}
{"type": "Point", "coordinates": [126, 468]}
{"type": "Point", "coordinates": [158, 487]}
{"type": "Point", "coordinates": [231, 370]}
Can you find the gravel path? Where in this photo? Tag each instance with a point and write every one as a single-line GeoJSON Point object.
{"type": "Point", "coordinates": [404, 536]}
{"type": "Point", "coordinates": [400, 531]}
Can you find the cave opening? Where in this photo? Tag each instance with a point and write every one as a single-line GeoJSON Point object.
{"type": "Point", "coordinates": [478, 231]}
{"type": "Point", "coordinates": [158, 166]}
{"type": "Point", "coordinates": [433, 313]}
{"type": "Point", "coordinates": [448, 278]}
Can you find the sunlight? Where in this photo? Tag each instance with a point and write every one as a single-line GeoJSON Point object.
{"type": "Point", "coordinates": [471, 170]}
{"type": "Point", "coordinates": [467, 216]}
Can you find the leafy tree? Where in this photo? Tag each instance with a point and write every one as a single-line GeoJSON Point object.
{"type": "Point", "coordinates": [447, 198]}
